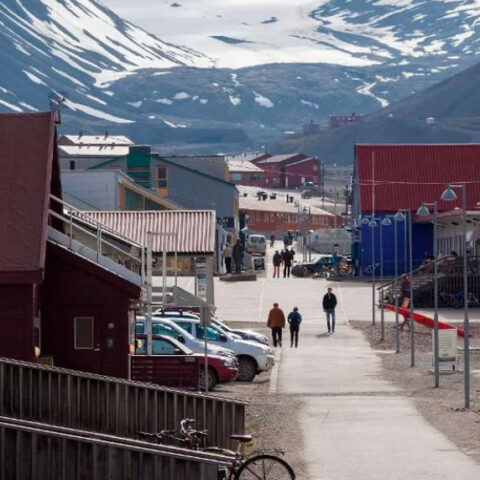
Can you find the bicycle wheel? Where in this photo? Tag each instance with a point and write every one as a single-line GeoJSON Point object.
{"type": "Point", "coordinates": [265, 467]}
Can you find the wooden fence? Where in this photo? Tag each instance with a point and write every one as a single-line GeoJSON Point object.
{"type": "Point", "coordinates": [35, 451]}
{"type": "Point", "coordinates": [110, 405]}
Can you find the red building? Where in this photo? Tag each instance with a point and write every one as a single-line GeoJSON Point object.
{"type": "Point", "coordinates": [277, 216]}
{"type": "Point", "coordinates": [244, 172]}
{"type": "Point", "coordinates": [57, 295]}
{"type": "Point", "coordinates": [289, 170]}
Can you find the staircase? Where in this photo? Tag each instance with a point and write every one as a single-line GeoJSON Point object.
{"type": "Point", "coordinates": [450, 282]}
{"type": "Point", "coordinates": [71, 229]}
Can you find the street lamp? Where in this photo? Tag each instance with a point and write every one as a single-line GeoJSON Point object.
{"type": "Point", "coordinates": [385, 222]}
{"type": "Point", "coordinates": [423, 211]}
{"type": "Point", "coordinates": [398, 217]}
{"type": "Point", "coordinates": [450, 195]}
{"type": "Point", "coordinates": [372, 223]}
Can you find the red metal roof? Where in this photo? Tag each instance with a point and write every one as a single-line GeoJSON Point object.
{"type": "Point", "coordinates": [195, 228]}
{"type": "Point", "coordinates": [407, 175]}
{"type": "Point", "coordinates": [26, 158]}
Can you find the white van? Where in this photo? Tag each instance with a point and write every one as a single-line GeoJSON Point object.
{"type": "Point", "coordinates": [256, 244]}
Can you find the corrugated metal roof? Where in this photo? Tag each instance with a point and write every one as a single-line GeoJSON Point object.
{"type": "Point", "coordinates": [407, 175]}
{"type": "Point", "coordinates": [278, 158]}
{"type": "Point", "coordinates": [26, 163]}
{"type": "Point", "coordinates": [195, 228]}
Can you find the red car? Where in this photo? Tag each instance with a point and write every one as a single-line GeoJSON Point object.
{"type": "Point", "coordinates": [220, 369]}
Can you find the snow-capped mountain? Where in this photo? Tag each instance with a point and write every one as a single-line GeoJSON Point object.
{"type": "Point", "coordinates": [78, 46]}
{"type": "Point", "coordinates": [299, 60]}
{"type": "Point", "coordinates": [240, 33]}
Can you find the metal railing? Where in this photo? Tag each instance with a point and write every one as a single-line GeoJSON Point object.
{"type": "Point", "coordinates": [101, 238]}
{"type": "Point", "coordinates": [36, 451]}
{"type": "Point", "coordinates": [110, 405]}
{"type": "Point", "coordinates": [450, 281]}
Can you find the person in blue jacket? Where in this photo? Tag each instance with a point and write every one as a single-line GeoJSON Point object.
{"type": "Point", "coordinates": [294, 320]}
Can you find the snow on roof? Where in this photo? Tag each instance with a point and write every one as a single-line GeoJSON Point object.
{"type": "Point", "coordinates": [93, 151]}
{"type": "Point", "coordinates": [237, 165]}
{"type": "Point", "coordinates": [278, 205]}
{"type": "Point", "coordinates": [97, 139]}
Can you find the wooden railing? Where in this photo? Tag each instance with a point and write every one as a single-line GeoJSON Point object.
{"type": "Point", "coordinates": [36, 451]}
{"type": "Point", "coordinates": [110, 405]}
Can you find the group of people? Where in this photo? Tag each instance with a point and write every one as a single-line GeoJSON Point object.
{"type": "Point", "coordinates": [285, 258]}
{"type": "Point", "coordinates": [276, 320]}
{"type": "Point", "coordinates": [233, 257]}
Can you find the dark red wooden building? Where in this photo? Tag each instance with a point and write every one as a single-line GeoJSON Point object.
{"type": "Point", "coordinates": [55, 294]}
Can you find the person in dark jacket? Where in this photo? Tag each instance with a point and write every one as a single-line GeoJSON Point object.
{"type": "Point", "coordinates": [329, 304]}
{"type": "Point", "coordinates": [277, 261]}
{"type": "Point", "coordinates": [237, 254]}
{"type": "Point", "coordinates": [294, 320]}
{"type": "Point", "coordinates": [287, 263]}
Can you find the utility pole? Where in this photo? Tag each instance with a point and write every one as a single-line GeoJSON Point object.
{"type": "Point", "coordinates": [335, 196]}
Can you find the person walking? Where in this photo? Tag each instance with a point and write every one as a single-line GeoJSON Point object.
{"type": "Point", "coordinates": [227, 257]}
{"type": "Point", "coordinates": [294, 320]}
{"type": "Point", "coordinates": [272, 239]}
{"type": "Point", "coordinates": [287, 263]}
{"type": "Point", "coordinates": [277, 262]}
{"type": "Point", "coordinates": [237, 254]}
{"type": "Point", "coordinates": [329, 304]}
{"type": "Point", "coordinates": [276, 322]}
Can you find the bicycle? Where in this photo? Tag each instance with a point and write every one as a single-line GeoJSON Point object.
{"type": "Point", "coordinates": [260, 466]}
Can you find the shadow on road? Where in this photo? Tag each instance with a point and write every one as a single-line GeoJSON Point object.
{"type": "Point", "coordinates": [323, 335]}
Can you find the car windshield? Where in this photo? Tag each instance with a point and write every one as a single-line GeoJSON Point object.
{"type": "Point", "coordinates": [162, 346]}
{"type": "Point", "coordinates": [254, 239]}
{"type": "Point", "coordinates": [179, 328]}
{"type": "Point", "coordinates": [221, 325]}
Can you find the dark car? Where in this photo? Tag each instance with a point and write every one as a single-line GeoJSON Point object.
{"type": "Point", "coordinates": [318, 265]}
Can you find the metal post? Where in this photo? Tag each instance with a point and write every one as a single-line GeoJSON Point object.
{"type": "Point", "coordinates": [373, 271]}
{"type": "Point", "coordinates": [435, 293]}
{"type": "Point", "coordinates": [164, 273]}
{"type": "Point", "coordinates": [71, 230]}
{"type": "Point", "coordinates": [149, 292]}
{"type": "Point", "coordinates": [382, 312]}
{"type": "Point", "coordinates": [466, 326]}
{"type": "Point", "coordinates": [204, 313]}
{"type": "Point", "coordinates": [412, 327]}
{"type": "Point", "coordinates": [397, 329]}
{"type": "Point", "coordinates": [405, 267]}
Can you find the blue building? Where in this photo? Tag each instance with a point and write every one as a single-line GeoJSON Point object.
{"type": "Point", "coordinates": [390, 178]}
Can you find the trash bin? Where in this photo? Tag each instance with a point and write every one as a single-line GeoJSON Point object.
{"type": "Point", "coordinates": [258, 264]}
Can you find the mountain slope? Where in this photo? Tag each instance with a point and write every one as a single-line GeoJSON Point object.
{"type": "Point", "coordinates": [75, 45]}
{"type": "Point", "coordinates": [453, 104]}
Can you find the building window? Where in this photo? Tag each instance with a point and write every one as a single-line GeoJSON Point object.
{"type": "Point", "coordinates": [254, 177]}
{"type": "Point", "coordinates": [236, 177]}
{"type": "Point", "coordinates": [83, 333]}
{"type": "Point", "coordinates": [162, 177]}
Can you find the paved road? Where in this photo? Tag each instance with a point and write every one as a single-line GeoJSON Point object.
{"type": "Point", "coordinates": [355, 424]}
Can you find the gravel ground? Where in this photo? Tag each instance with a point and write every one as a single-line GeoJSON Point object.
{"type": "Point", "coordinates": [442, 407]}
{"type": "Point", "coordinates": [271, 418]}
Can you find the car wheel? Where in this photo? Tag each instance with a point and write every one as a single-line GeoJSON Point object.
{"type": "Point", "coordinates": [305, 272]}
{"type": "Point", "coordinates": [247, 369]}
{"type": "Point", "coordinates": [212, 378]}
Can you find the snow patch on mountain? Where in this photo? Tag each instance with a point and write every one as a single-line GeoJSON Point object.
{"type": "Point", "coordinates": [263, 101]}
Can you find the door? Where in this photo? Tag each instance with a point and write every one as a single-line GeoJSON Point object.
{"type": "Point", "coordinates": [83, 350]}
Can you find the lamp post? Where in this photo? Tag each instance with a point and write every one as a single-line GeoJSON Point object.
{"type": "Point", "coordinates": [450, 195]}
{"type": "Point", "coordinates": [371, 222]}
{"type": "Point", "coordinates": [423, 211]}
{"type": "Point", "coordinates": [412, 324]}
{"type": "Point", "coordinates": [386, 222]}
{"type": "Point", "coordinates": [398, 217]}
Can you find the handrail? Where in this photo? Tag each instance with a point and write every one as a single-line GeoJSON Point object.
{"type": "Point", "coordinates": [96, 223]}
{"type": "Point", "coordinates": [439, 261]}
{"type": "Point", "coordinates": [88, 232]}
{"type": "Point", "coordinates": [114, 440]}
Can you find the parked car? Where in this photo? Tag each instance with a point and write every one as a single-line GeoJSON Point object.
{"type": "Point", "coordinates": [256, 244]}
{"type": "Point", "coordinates": [235, 332]}
{"type": "Point", "coordinates": [307, 269]}
{"type": "Point", "coordinates": [244, 334]}
{"type": "Point", "coordinates": [220, 369]}
{"type": "Point", "coordinates": [165, 326]}
{"type": "Point", "coordinates": [253, 357]}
